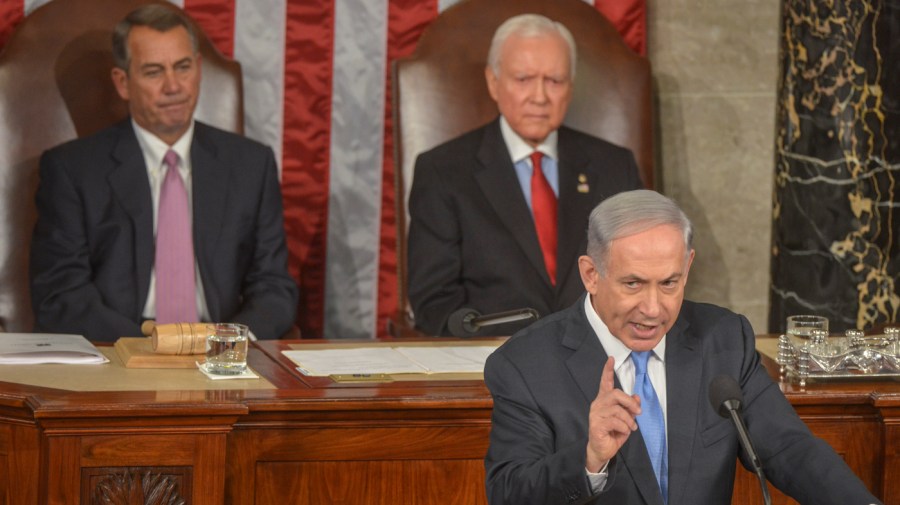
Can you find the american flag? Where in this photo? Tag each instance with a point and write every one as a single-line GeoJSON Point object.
{"type": "Point", "coordinates": [317, 89]}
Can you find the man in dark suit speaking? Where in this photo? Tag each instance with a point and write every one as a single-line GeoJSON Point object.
{"type": "Point", "coordinates": [607, 402]}
{"type": "Point", "coordinates": [159, 217]}
{"type": "Point", "coordinates": [489, 232]}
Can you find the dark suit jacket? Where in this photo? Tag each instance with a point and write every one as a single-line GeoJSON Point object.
{"type": "Point", "coordinates": [93, 245]}
{"type": "Point", "coordinates": [544, 379]}
{"type": "Point", "coordinates": [472, 241]}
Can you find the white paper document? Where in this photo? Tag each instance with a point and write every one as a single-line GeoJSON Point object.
{"type": "Point", "coordinates": [369, 360]}
{"type": "Point", "coordinates": [37, 348]}
{"type": "Point", "coordinates": [454, 359]}
{"type": "Point", "coordinates": [391, 360]}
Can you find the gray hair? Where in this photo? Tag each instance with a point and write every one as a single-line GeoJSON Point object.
{"type": "Point", "coordinates": [629, 213]}
{"type": "Point", "coordinates": [159, 17]}
{"type": "Point", "coordinates": [529, 25]}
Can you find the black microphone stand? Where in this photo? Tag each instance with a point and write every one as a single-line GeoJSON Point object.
{"type": "Point", "coordinates": [726, 397]}
{"type": "Point", "coordinates": [754, 459]}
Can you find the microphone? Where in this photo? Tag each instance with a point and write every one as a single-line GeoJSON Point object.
{"type": "Point", "coordinates": [725, 397]}
{"type": "Point", "coordinates": [466, 322]}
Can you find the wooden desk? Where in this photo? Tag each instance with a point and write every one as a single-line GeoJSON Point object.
{"type": "Point", "coordinates": [305, 441]}
{"type": "Point", "coordinates": [311, 441]}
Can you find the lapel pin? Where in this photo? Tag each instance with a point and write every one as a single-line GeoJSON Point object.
{"type": "Point", "coordinates": [582, 184]}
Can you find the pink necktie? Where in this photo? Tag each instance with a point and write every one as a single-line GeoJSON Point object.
{"type": "Point", "coordinates": [543, 206]}
{"type": "Point", "coordinates": [176, 300]}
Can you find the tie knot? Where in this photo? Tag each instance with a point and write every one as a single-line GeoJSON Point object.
{"type": "Point", "coordinates": [171, 159]}
{"type": "Point", "coordinates": [640, 361]}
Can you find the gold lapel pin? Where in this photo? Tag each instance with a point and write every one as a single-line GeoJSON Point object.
{"type": "Point", "coordinates": [582, 184]}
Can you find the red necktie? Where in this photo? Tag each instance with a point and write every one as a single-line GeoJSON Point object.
{"type": "Point", "coordinates": [176, 298]}
{"type": "Point", "coordinates": [543, 206]}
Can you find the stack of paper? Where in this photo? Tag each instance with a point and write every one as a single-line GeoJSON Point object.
{"type": "Point", "coordinates": [37, 348]}
{"type": "Point", "coordinates": [391, 360]}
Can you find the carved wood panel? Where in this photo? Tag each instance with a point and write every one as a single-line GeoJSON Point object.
{"type": "Point", "coordinates": [136, 485]}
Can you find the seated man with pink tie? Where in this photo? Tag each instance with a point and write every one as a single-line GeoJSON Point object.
{"type": "Point", "coordinates": [497, 215]}
{"type": "Point", "coordinates": [159, 217]}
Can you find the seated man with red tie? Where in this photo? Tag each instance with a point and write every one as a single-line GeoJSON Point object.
{"type": "Point", "coordinates": [497, 216]}
{"type": "Point", "coordinates": [159, 217]}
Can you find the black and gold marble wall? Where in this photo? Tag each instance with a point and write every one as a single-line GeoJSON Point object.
{"type": "Point", "coordinates": [836, 210]}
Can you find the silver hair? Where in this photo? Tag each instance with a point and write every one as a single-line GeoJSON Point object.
{"type": "Point", "coordinates": [159, 17]}
{"type": "Point", "coordinates": [630, 213]}
{"type": "Point", "coordinates": [529, 25]}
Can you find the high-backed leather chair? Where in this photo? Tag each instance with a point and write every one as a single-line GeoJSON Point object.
{"type": "Point", "coordinates": [440, 90]}
{"type": "Point", "coordinates": [55, 86]}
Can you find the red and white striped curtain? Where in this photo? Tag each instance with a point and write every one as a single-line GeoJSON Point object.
{"type": "Point", "coordinates": [316, 84]}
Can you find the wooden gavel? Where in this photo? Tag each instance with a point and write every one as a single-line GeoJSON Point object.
{"type": "Point", "coordinates": [176, 338]}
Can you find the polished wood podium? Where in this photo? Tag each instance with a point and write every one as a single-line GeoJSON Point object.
{"type": "Point", "coordinates": [291, 439]}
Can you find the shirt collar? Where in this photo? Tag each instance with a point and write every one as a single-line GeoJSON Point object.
{"type": "Point", "coordinates": [154, 148]}
{"type": "Point", "coordinates": [612, 345]}
{"type": "Point", "coordinates": [519, 149]}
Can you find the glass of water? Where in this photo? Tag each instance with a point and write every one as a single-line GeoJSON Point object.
{"type": "Point", "coordinates": [800, 327]}
{"type": "Point", "coordinates": [226, 348]}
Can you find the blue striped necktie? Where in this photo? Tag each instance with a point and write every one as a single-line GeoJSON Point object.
{"type": "Point", "coordinates": [651, 421]}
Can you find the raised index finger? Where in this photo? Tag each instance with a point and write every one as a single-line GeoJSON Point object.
{"type": "Point", "coordinates": [607, 382]}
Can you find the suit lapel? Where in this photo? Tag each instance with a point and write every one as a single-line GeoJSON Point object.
{"type": "Point", "coordinates": [573, 202]}
{"type": "Point", "coordinates": [586, 362]}
{"type": "Point", "coordinates": [131, 188]}
{"type": "Point", "coordinates": [210, 181]}
{"type": "Point", "coordinates": [497, 179]}
{"type": "Point", "coordinates": [586, 366]}
{"type": "Point", "coordinates": [684, 368]}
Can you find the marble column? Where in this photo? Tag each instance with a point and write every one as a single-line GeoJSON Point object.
{"type": "Point", "coordinates": [836, 208]}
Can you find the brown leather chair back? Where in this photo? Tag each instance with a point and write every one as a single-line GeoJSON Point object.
{"type": "Point", "coordinates": [440, 90]}
{"type": "Point", "coordinates": [55, 86]}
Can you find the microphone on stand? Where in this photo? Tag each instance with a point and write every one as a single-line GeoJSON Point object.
{"type": "Point", "coordinates": [726, 397]}
{"type": "Point", "coordinates": [466, 322]}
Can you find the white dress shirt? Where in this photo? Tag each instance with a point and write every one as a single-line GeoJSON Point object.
{"type": "Point", "coordinates": [520, 153]}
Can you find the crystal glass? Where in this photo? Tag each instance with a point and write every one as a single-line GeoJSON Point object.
{"type": "Point", "coordinates": [800, 327]}
{"type": "Point", "coordinates": [226, 348]}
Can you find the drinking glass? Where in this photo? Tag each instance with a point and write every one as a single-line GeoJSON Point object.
{"type": "Point", "coordinates": [226, 348]}
{"type": "Point", "coordinates": [801, 326]}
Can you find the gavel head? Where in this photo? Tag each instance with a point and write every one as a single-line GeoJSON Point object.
{"type": "Point", "coordinates": [177, 338]}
